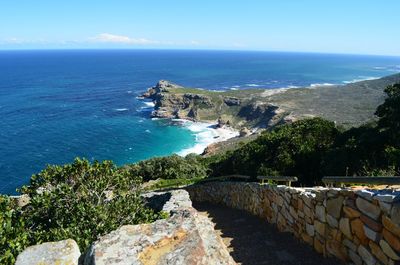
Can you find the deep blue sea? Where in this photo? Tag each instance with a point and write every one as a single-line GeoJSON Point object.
{"type": "Point", "coordinates": [57, 105]}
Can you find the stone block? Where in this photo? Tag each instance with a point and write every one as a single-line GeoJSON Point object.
{"type": "Point", "coordinates": [351, 212]}
{"type": "Point", "coordinates": [357, 228]}
{"type": "Point", "coordinates": [310, 229]}
{"type": "Point", "coordinates": [374, 225]}
{"type": "Point", "coordinates": [393, 240]}
{"type": "Point", "coordinates": [395, 213]}
{"type": "Point", "coordinates": [391, 226]}
{"type": "Point", "coordinates": [355, 257]}
{"type": "Point", "coordinates": [336, 249]}
{"type": "Point", "coordinates": [319, 246]}
{"type": "Point", "coordinates": [349, 244]}
{"type": "Point", "coordinates": [320, 213]}
{"type": "Point", "coordinates": [368, 208]}
{"type": "Point", "coordinates": [332, 221]}
{"type": "Point", "coordinates": [344, 226]}
{"type": "Point", "coordinates": [387, 249]}
{"type": "Point", "coordinates": [366, 194]}
{"type": "Point", "coordinates": [366, 256]}
{"type": "Point", "coordinates": [319, 227]}
{"type": "Point", "coordinates": [378, 253]}
{"type": "Point", "coordinates": [334, 206]}
{"type": "Point", "coordinates": [371, 234]}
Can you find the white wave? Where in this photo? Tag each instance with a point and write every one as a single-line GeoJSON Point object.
{"type": "Point", "coordinates": [320, 84]}
{"type": "Point", "coordinates": [361, 78]}
{"type": "Point", "coordinates": [205, 134]}
{"type": "Point", "coordinates": [129, 91]}
{"type": "Point", "coordinates": [148, 131]}
{"type": "Point", "coordinates": [149, 104]}
{"type": "Point", "coordinates": [122, 109]}
{"type": "Point", "coordinates": [234, 88]}
{"type": "Point", "coordinates": [379, 68]}
{"type": "Point", "coordinates": [252, 85]}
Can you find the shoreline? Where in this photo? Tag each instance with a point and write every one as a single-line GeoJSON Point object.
{"type": "Point", "coordinates": [206, 133]}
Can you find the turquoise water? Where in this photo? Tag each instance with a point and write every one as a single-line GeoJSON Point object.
{"type": "Point", "coordinates": [56, 105]}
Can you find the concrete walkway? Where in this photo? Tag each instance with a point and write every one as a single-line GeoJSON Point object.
{"type": "Point", "coordinates": [252, 241]}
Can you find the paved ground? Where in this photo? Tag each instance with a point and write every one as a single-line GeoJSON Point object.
{"type": "Point", "coordinates": [252, 241]}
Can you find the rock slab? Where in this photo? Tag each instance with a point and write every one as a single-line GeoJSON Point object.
{"type": "Point", "coordinates": [64, 252]}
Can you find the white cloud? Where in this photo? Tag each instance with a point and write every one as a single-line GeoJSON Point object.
{"type": "Point", "coordinates": [112, 38]}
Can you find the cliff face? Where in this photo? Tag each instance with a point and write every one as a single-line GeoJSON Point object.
{"type": "Point", "coordinates": [237, 109]}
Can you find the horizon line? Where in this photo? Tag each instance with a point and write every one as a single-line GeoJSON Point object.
{"type": "Point", "coordinates": [191, 49]}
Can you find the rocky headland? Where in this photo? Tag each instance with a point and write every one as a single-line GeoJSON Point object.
{"type": "Point", "coordinates": [253, 110]}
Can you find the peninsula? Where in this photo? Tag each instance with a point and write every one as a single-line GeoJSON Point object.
{"type": "Point", "coordinates": [347, 105]}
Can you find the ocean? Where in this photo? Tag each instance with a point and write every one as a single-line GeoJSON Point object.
{"type": "Point", "coordinates": [58, 105]}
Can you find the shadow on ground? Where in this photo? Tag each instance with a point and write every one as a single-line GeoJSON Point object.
{"type": "Point", "coordinates": [252, 241]}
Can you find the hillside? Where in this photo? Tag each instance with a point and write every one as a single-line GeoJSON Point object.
{"type": "Point", "coordinates": [347, 105]}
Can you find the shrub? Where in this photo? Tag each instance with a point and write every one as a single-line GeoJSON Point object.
{"type": "Point", "coordinates": [81, 201]}
{"type": "Point", "coordinates": [170, 167]}
{"type": "Point", "coordinates": [13, 234]}
{"type": "Point", "coordinates": [292, 149]}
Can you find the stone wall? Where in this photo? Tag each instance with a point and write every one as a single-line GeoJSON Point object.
{"type": "Point", "coordinates": [355, 226]}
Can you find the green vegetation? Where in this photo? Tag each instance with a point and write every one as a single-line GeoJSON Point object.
{"type": "Point", "coordinates": [312, 148]}
{"type": "Point", "coordinates": [81, 201]}
{"type": "Point", "coordinates": [170, 167]}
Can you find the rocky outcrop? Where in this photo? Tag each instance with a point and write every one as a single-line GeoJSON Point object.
{"type": "Point", "coordinates": [244, 132]}
{"type": "Point", "coordinates": [175, 105]}
{"type": "Point", "coordinates": [359, 227]}
{"type": "Point", "coordinates": [185, 238]}
{"type": "Point", "coordinates": [64, 252]}
{"type": "Point", "coordinates": [262, 114]}
{"type": "Point", "coordinates": [161, 87]}
{"type": "Point", "coordinates": [232, 101]}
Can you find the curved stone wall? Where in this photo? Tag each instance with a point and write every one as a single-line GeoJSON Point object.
{"type": "Point", "coordinates": [355, 226]}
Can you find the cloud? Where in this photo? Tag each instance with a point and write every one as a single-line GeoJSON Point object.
{"type": "Point", "coordinates": [112, 38]}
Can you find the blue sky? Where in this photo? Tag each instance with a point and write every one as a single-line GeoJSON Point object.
{"type": "Point", "coordinates": [334, 26]}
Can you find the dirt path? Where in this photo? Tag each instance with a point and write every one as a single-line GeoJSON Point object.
{"type": "Point", "coordinates": [252, 241]}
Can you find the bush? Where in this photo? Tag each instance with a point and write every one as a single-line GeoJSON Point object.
{"type": "Point", "coordinates": [292, 149]}
{"type": "Point", "coordinates": [13, 234]}
{"type": "Point", "coordinates": [170, 167]}
{"type": "Point", "coordinates": [81, 201]}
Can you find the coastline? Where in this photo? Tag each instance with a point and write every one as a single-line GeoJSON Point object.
{"type": "Point", "coordinates": [206, 134]}
{"type": "Point", "coordinates": [282, 100]}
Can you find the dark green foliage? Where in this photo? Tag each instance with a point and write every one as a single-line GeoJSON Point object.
{"type": "Point", "coordinates": [80, 201]}
{"type": "Point", "coordinates": [295, 149]}
{"type": "Point", "coordinates": [170, 167]}
{"type": "Point", "coordinates": [13, 236]}
{"type": "Point", "coordinates": [310, 149]}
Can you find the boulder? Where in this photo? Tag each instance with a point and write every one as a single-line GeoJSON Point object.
{"type": "Point", "coordinates": [244, 132]}
{"type": "Point", "coordinates": [185, 238]}
{"type": "Point", "coordinates": [64, 252]}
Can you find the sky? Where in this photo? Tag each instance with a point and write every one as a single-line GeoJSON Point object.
{"type": "Point", "coordinates": [328, 26]}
